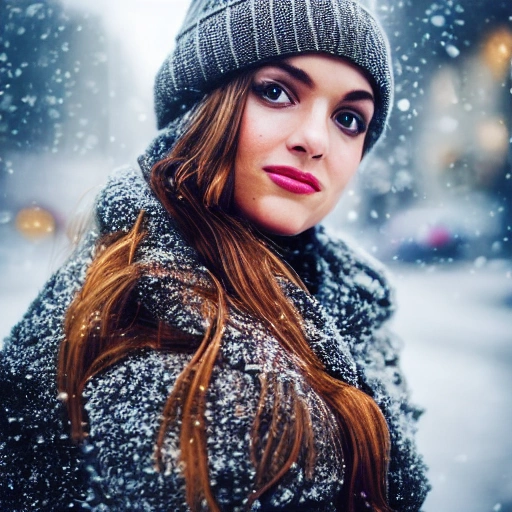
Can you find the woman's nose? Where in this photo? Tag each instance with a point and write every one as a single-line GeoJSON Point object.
{"type": "Point", "coordinates": [310, 136]}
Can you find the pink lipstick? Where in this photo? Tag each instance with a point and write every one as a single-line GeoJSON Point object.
{"type": "Point", "coordinates": [293, 180]}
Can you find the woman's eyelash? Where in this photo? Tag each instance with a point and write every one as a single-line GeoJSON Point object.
{"type": "Point", "coordinates": [350, 122]}
{"type": "Point", "coordinates": [272, 92]}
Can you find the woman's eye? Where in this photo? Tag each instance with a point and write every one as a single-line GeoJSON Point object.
{"type": "Point", "coordinates": [351, 123]}
{"type": "Point", "coordinates": [273, 93]}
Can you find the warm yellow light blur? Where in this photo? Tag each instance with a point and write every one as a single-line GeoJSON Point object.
{"type": "Point", "coordinates": [35, 223]}
{"type": "Point", "coordinates": [444, 93]}
{"type": "Point", "coordinates": [497, 52]}
{"type": "Point", "coordinates": [493, 136]}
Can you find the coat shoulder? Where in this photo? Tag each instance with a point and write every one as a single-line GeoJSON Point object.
{"type": "Point", "coordinates": [357, 282]}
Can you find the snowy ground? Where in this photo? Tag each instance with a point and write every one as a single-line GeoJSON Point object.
{"type": "Point", "coordinates": [456, 324]}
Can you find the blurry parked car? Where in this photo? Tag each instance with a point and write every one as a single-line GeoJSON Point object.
{"type": "Point", "coordinates": [443, 233]}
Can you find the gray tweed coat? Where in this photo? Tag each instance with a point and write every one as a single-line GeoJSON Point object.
{"type": "Point", "coordinates": [40, 469]}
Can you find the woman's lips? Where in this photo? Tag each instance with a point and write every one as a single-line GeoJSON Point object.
{"type": "Point", "coordinates": [292, 180]}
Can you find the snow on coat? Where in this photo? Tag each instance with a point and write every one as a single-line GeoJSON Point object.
{"type": "Point", "coordinates": [41, 469]}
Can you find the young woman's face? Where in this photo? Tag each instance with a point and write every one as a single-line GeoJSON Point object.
{"type": "Point", "coordinates": [300, 141]}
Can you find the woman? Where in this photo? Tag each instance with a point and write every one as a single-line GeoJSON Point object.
{"type": "Point", "coordinates": [208, 346]}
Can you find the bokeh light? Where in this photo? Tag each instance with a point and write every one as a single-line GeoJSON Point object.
{"type": "Point", "coordinates": [35, 223]}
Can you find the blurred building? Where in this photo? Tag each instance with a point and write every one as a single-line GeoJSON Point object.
{"type": "Point", "coordinates": [440, 187]}
{"type": "Point", "coordinates": [65, 104]}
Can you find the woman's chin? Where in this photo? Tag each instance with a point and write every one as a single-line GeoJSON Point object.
{"type": "Point", "coordinates": [283, 229]}
{"type": "Point", "coordinates": [283, 218]}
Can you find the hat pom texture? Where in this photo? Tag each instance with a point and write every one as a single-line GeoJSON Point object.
{"type": "Point", "coordinates": [221, 37]}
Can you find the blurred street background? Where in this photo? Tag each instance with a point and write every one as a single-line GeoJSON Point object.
{"type": "Point", "coordinates": [433, 201]}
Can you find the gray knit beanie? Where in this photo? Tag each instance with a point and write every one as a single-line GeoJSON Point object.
{"type": "Point", "coordinates": [221, 37]}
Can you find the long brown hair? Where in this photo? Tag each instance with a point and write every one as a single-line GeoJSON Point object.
{"type": "Point", "coordinates": [195, 185]}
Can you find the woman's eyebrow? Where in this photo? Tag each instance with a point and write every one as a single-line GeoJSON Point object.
{"type": "Point", "coordinates": [296, 73]}
{"type": "Point", "coordinates": [359, 95]}
{"type": "Point", "coordinates": [303, 77]}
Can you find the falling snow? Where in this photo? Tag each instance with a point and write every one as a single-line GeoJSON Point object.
{"type": "Point", "coordinates": [434, 200]}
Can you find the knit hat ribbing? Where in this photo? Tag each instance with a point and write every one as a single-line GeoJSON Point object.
{"type": "Point", "coordinates": [220, 37]}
